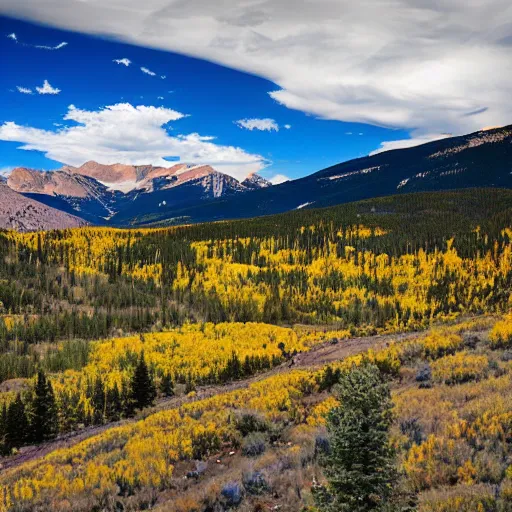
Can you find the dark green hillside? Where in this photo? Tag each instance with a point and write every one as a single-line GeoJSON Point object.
{"type": "Point", "coordinates": [482, 159]}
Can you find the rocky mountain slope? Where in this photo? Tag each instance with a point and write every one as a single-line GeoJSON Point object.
{"type": "Point", "coordinates": [66, 191]}
{"type": "Point", "coordinates": [255, 182]}
{"type": "Point", "coordinates": [24, 214]}
{"type": "Point", "coordinates": [99, 193]}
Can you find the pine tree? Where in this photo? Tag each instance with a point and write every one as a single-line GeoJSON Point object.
{"type": "Point", "coordinates": [143, 390]}
{"type": "Point", "coordinates": [360, 463]}
{"type": "Point", "coordinates": [3, 429]}
{"type": "Point", "coordinates": [113, 407]}
{"type": "Point", "coordinates": [190, 385]}
{"type": "Point", "coordinates": [17, 431]}
{"type": "Point", "coordinates": [167, 385]}
{"type": "Point", "coordinates": [43, 411]}
{"type": "Point", "coordinates": [126, 400]}
{"type": "Point", "coordinates": [98, 402]}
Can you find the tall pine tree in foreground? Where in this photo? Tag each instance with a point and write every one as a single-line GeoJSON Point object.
{"type": "Point", "coordinates": [360, 463]}
{"type": "Point", "coordinates": [143, 390]}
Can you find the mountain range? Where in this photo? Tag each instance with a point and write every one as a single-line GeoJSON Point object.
{"type": "Point", "coordinates": [127, 195]}
{"type": "Point", "coordinates": [99, 193]}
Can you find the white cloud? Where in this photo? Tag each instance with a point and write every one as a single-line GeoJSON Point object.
{"type": "Point", "coordinates": [287, 126]}
{"type": "Point", "coordinates": [409, 143]}
{"type": "Point", "coordinates": [163, 77]}
{"type": "Point", "coordinates": [125, 62]}
{"type": "Point", "coordinates": [45, 47]}
{"type": "Point", "coordinates": [131, 135]}
{"type": "Point", "coordinates": [160, 97]}
{"type": "Point", "coordinates": [14, 37]}
{"type": "Point", "coordinates": [278, 178]}
{"type": "Point", "coordinates": [263, 125]}
{"type": "Point", "coordinates": [147, 71]}
{"type": "Point", "coordinates": [24, 90]}
{"type": "Point", "coordinates": [47, 89]}
{"type": "Point", "coordinates": [427, 66]}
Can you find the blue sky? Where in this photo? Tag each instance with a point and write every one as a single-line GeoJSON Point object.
{"type": "Point", "coordinates": [212, 97]}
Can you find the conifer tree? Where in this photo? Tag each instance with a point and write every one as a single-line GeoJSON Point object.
{"type": "Point", "coordinates": [3, 429]}
{"type": "Point", "coordinates": [126, 399]}
{"type": "Point", "coordinates": [43, 411]}
{"type": "Point", "coordinates": [167, 385]}
{"type": "Point", "coordinates": [143, 390]}
{"type": "Point", "coordinates": [190, 385]}
{"type": "Point", "coordinates": [17, 430]}
{"type": "Point", "coordinates": [360, 463]}
{"type": "Point", "coordinates": [98, 402]}
{"type": "Point", "coordinates": [113, 406]}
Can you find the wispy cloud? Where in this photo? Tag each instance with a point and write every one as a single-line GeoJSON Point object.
{"type": "Point", "coordinates": [47, 89]}
{"type": "Point", "coordinates": [125, 62]}
{"type": "Point", "coordinates": [120, 133]}
{"type": "Point", "coordinates": [45, 47]}
{"type": "Point", "coordinates": [264, 125]}
{"type": "Point", "coordinates": [14, 37]}
{"type": "Point", "coordinates": [147, 71]}
{"type": "Point", "coordinates": [163, 77]}
{"type": "Point", "coordinates": [287, 126]}
{"type": "Point", "coordinates": [24, 90]}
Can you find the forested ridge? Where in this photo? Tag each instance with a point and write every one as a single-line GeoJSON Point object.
{"type": "Point", "coordinates": [97, 324]}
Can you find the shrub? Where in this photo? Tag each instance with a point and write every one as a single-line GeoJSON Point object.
{"type": "Point", "coordinates": [232, 493]}
{"type": "Point", "coordinates": [471, 341]}
{"type": "Point", "coordinates": [438, 345]}
{"type": "Point", "coordinates": [462, 498]}
{"type": "Point", "coordinates": [247, 422]}
{"type": "Point", "coordinates": [501, 334]}
{"type": "Point", "coordinates": [424, 374]}
{"type": "Point", "coordinates": [459, 368]}
{"type": "Point", "coordinates": [205, 443]}
{"type": "Point", "coordinates": [255, 482]}
{"type": "Point", "coordinates": [254, 444]}
{"type": "Point", "coordinates": [412, 429]}
{"type": "Point", "coordinates": [322, 445]}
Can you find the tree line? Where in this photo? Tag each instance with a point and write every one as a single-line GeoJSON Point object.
{"type": "Point", "coordinates": [37, 416]}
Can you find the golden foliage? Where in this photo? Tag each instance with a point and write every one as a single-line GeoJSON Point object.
{"type": "Point", "coordinates": [501, 334]}
{"type": "Point", "coordinates": [460, 367]}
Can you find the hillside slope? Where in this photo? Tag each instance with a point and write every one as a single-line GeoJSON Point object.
{"type": "Point", "coordinates": [482, 159]}
{"type": "Point", "coordinates": [70, 192]}
{"type": "Point", "coordinates": [24, 214]}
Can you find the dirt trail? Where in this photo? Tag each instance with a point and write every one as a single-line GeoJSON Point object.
{"type": "Point", "coordinates": [318, 355]}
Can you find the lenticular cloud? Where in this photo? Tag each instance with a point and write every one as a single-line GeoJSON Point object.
{"type": "Point", "coordinates": [430, 67]}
